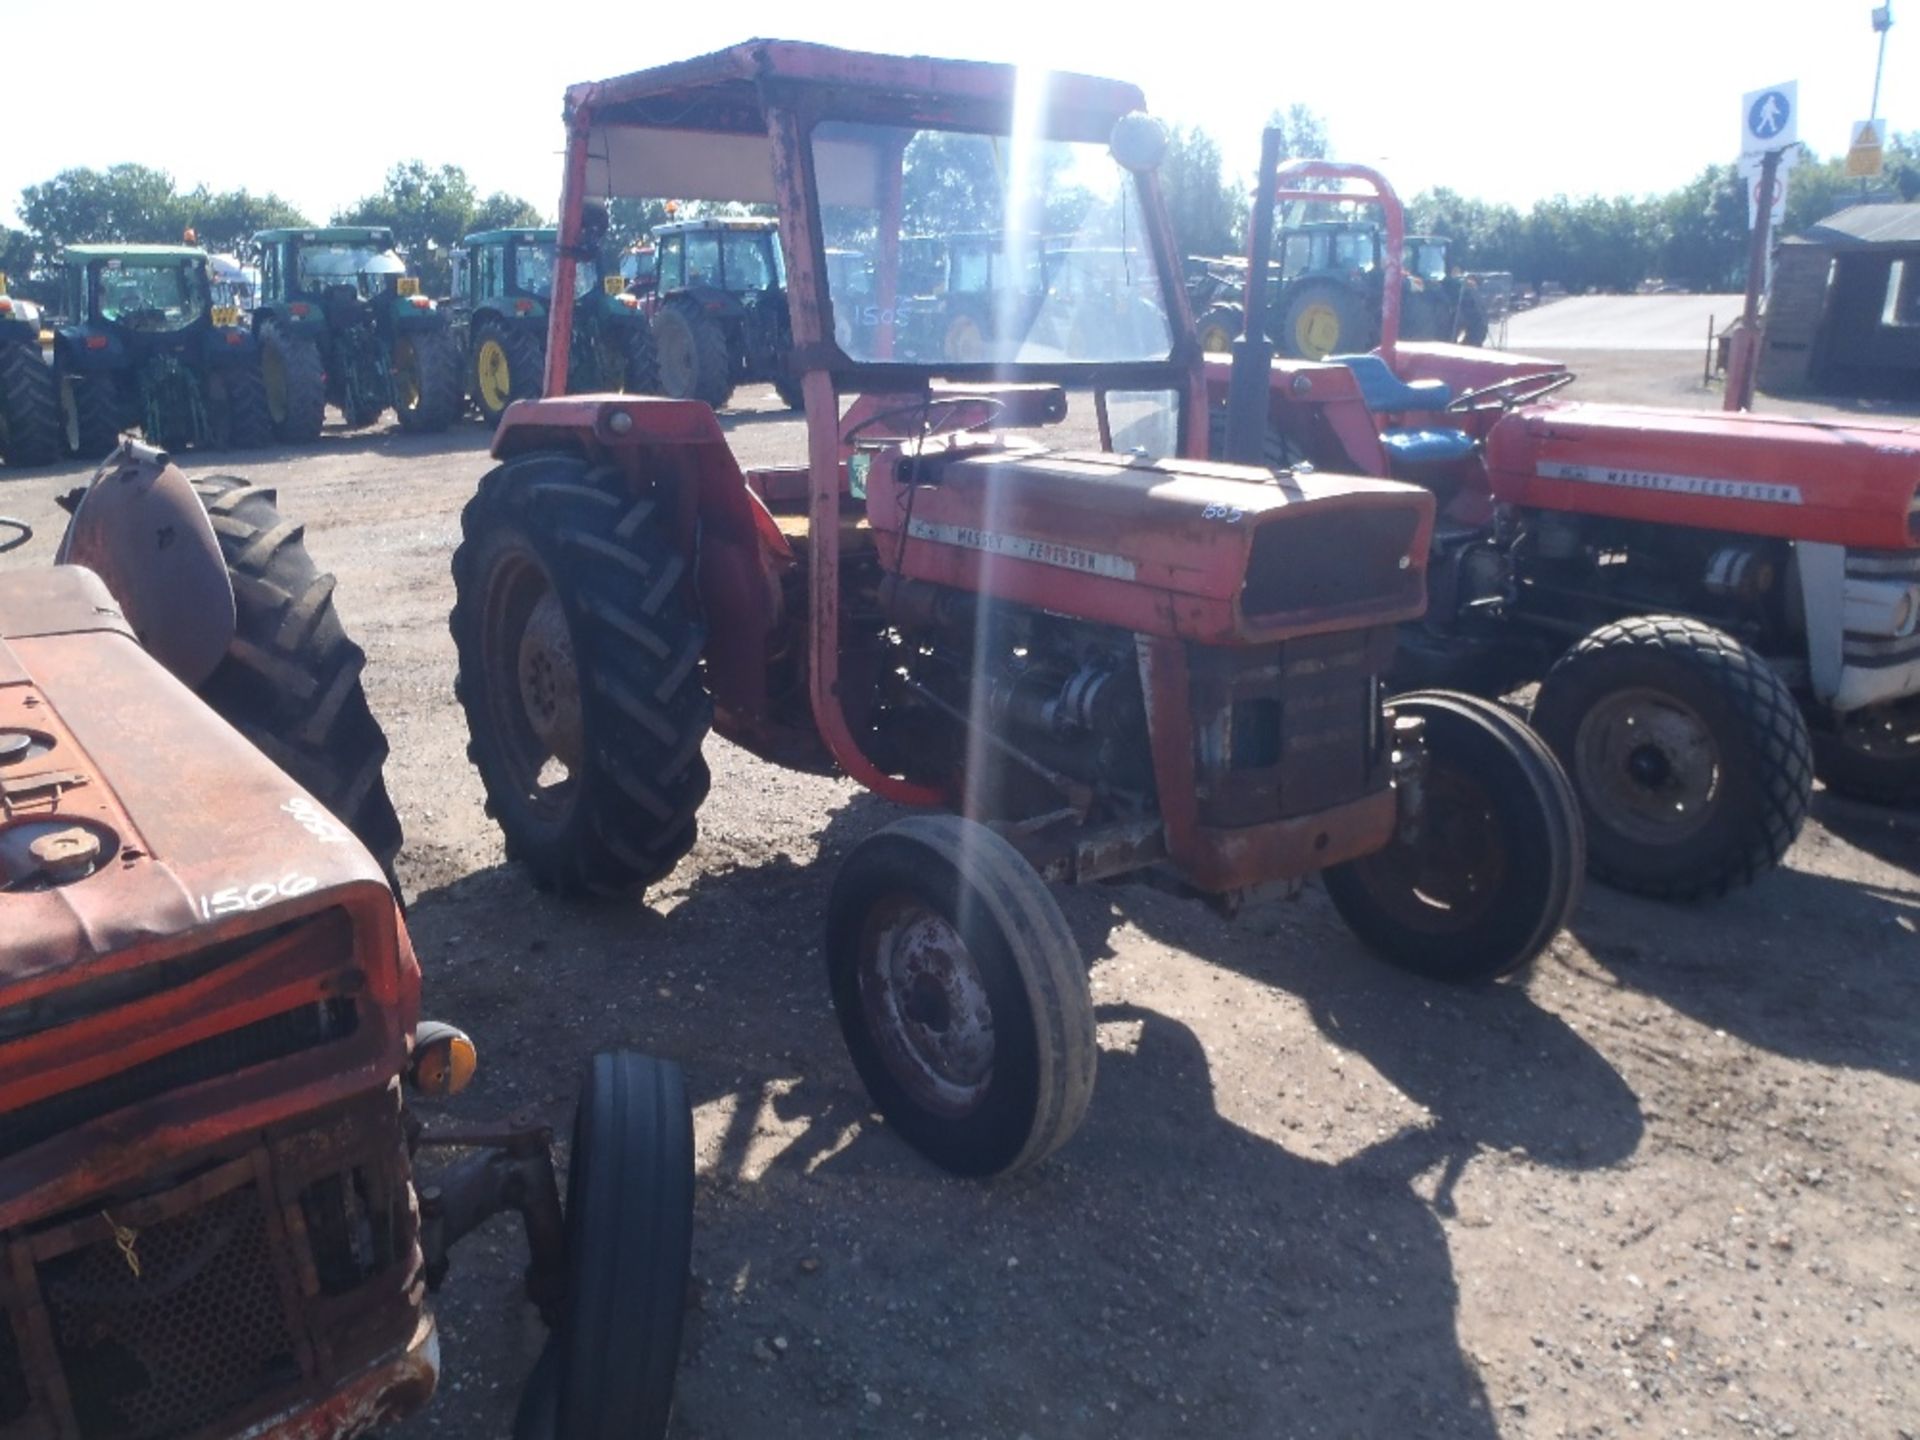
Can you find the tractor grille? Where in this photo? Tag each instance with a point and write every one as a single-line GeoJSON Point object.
{"type": "Point", "coordinates": [1333, 559]}
{"type": "Point", "coordinates": [263, 1278]}
{"type": "Point", "coordinates": [200, 1330]}
{"type": "Point", "coordinates": [274, 1038]}
{"type": "Point", "coordinates": [1880, 652]}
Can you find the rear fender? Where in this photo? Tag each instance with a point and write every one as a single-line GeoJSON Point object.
{"type": "Point", "coordinates": [143, 531]}
{"type": "Point", "coordinates": [83, 350]}
{"type": "Point", "coordinates": [312, 325]}
{"type": "Point", "coordinates": [741, 554]}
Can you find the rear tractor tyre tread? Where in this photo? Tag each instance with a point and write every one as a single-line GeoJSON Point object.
{"type": "Point", "coordinates": [306, 384]}
{"type": "Point", "coordinates": [93, 426]}
{"type": "Point", "coordinates": [1766, 752]}
{"type": "Point", "coordinates": [526, 365]}
{"type": "Point", "coordinates": [637, 643]}
{"type": "Point", "coordinates": [29, 407]}
{"type": "Point", "coordinates": [712, 377]}
{"type": "Point", "coordinates": [290, 682]}
{"type": "Point", "coordinates": [438, 405]}
{"type": "Point", "coordinates": [248, 425]}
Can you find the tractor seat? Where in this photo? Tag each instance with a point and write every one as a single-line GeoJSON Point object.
{"type": "Point", "coordinates": [1425, 447]}
{"type": "Point", "coordinates": [1386, 393]}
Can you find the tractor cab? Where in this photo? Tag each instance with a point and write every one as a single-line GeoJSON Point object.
{"type": "Point", "coordinates": [342, 323]}
{"type": "Point", "coordinates": [143, 343]}
{"type": "Point", "coordinates": [719, 304]}
{"type": "Point", "coordinates": [502, 291]}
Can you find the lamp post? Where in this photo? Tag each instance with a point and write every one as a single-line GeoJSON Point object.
{"type": "Point", "coordinates": [1882, 22]}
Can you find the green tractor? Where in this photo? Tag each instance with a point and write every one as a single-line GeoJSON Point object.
{"type": "Point", "coordinates": [143, 344]}
{"type": "Point", "coordinates": [341, 323]}
{"type": "Point", "coordinates": [29, 402]}
{"type": "Point", "coordinates": [718, 296]}
{"type": "Point", "coordinates": [502, 282]}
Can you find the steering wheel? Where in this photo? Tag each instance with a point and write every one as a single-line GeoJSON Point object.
{"type": "Point", "coordinates": [1520, 390]}
{"type": "Point", "coordinates": [923, 411]}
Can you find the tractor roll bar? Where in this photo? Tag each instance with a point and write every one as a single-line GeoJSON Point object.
{"type": "Point", "coordinates": [1287, 186]}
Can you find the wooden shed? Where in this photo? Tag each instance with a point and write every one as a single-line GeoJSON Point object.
{"type": "Point", "coordinates": [1843, 314]}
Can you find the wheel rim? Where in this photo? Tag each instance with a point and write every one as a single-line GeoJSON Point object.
{"type": "Point", "coordinates": [1215, 340]}
{"type": "Point", "coordinates": [676, 357]}
{"type": "Point", "coordinates": [406, 374]}
{"type": "Point", "coordinates": [495, 374]}
{"type": "Point", "coordinates": [1647, 766]}
{"type": "Point", "coordinates": [1317, 330]}
{"type": "Point", "coordinates": [1886, 734]}
{"type": "Point", "coordinates": [1455, 868]}
{"type": "Point", "coordinates": [69, 412]}
{"type": "Point", "coordinates": [925, 1003]}
{"type": "Point", "coordinates": [965, 344]}
{"type": "Point", "coordinates": [532, 683]}
{"type": "Point", "coordinates": [273, 374]}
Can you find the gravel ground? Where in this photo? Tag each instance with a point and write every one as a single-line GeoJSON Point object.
{"type": "Point", "coordinates": [1664, 1185]}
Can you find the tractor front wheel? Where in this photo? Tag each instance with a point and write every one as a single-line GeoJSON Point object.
{"type": "Point", "coordinates": [237, 416]}
{"type": "Point", "coordinates": [89, 414]}
{"type": "Point", "coordinates": [1219, 327]}
{"type": "Point", "coordinates": [1872, 754]}
{"type": "Point", "coordinates": [1692, 761]}
{"type": "Point", "coordinates": [507, 366]}
{"type": "Point", "coordinates": [961, 995]}
{"type": "Point", "coordinates": [1321, 318]}
{"type": "Point", "coordinates": [290, 681]}
{"type": "Point", "coordinates": [579, 669]}
{"type": "Point", "coordinates": [694, 361]}
{"type": "Point", "coordinates": [1491, 867]}
{"type": "Point", "coordinates": [426, 380]}
{"type": "Point", "coordinates": [296, 384]}
{"type": "Point", "coordinates": [29, 407]}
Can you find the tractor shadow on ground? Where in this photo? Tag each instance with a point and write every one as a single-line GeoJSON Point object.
{"type": "Point", "coordinates": [1168, 1268]}
{"type": "Point", "coordinates": [1799, 964]}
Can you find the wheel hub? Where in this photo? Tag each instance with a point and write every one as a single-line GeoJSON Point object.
{"type": "Point", "coordinates": [496, 381]}
{"type": "Point", "coordinates": [927, 1006]}
{"type": "Point", "coordinates": [1648, 766]}
{"type": "Point", "coordinates": [550, 682]}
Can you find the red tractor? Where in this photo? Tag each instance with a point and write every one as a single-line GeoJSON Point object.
{"type": "Point", "coordinates": [209, 1211]}
{"type": "Point", "coordinates": [1081, 664]}
{"type": "Point", "coordinates": [1694, 592]}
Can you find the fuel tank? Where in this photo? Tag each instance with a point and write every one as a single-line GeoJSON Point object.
{"type": "Point", "coordinates": [1187, 549]}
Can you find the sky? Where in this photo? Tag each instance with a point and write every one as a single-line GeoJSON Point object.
{"type": "Point", "coordinates": [1508, 100]}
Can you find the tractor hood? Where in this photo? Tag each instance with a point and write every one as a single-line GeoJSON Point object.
{"type": "Point", "coordinates": [188, 941]}
{"type": "Point", "coordinates": [1218, 554]}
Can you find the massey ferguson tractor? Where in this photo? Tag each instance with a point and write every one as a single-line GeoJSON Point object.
{"type": "Point", "coordinates": [222, 1198]}
{"type": "Point", "coordinates": [502, 283]}
{"type": "Point", "coordinates": [1694, 592]}
{"type": "Point", "coordinates": [1076, 663]}
{"type": "Point", "coordinates": [29, 401]}
{"type": "Point", "coordinates": [142, 344]}
{"type": "Point", "coordinates": [341, 323]}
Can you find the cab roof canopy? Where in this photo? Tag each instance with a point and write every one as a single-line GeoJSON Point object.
{"type": "Point", "coordinates": [329, 235]}
{"type": "Point", "coordinates": [85, 254]}
{"type": "Point", "coordinates": [534, 235]}
{"type": "Point", "coordinates": [697, 129]}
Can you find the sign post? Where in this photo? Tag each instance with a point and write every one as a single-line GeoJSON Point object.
{"type": "Point", "coordinates": [1769, 125]}
{"type": "Point", "coordinates": [1865, 155]}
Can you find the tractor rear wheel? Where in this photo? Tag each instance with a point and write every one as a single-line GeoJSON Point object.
{"type": "Point", "coordinates": [29, 407]}
{"type": "Point", "coordinates": [1469, 318]}
{"type": "Point", "coordinates": [1873, 754]}
{"type": "Point", "coordinates": [426, 380]}
{"type": "Point", "coordinates": [237, 417]}
{"type": "Point", "coordinates": [579, 670]}
{"type": "Point", "coordinates": [640, 357]}
{"type": "Point", "coordinates": [507, 366]}
{"type": "Point", "coordinates": [1322, 318]}
{"type": "Point", "coordinates": [694, 361]}
{"type": "Point", "coordinates": [1493, 868]}
{"type": "Point", "coordinates": [961, 995]}
{"type": "Point", "coordinates": [296, 383]}
{"type": "Point", "coordinates": [1691, 760]}
{"type": "Point", "coordinates": [89, 413]}
{"type": "Point", "coordinates": [787, 387]}
{"type": "Point", "coordinates": [290, 681]}
{"type": "Point", "coordinates": [1219, 327]}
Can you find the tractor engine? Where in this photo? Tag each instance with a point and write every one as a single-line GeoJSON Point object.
{"type": "Point", "coordinates": [1201, 642]}
{"type": "Point", "coordinates": [206, 1002]}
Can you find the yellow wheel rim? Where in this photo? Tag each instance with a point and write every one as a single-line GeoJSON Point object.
{"type": "Point", "coordinates": [496, 375]}
{"type": "Point", "coordinates": [406, 375]}
{"type": "Point", "coordinates": [1215, 339]}
{"type": "Point", "coordinates": [273, 374]}
{"type": "Point", "coordinates": [965, 343]}
{"type": "Point", "coordinates": [1317, 330]}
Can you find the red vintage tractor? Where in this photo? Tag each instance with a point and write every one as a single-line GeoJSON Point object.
{"type": "Point", "coordinates": [1694, 592]}
{"type": "Point", "coordinates": [209, 1212]}
{"type": "Point", "coordinates": [1082, 664]}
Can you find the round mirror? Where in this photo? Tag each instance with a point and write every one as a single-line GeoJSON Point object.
{"type": "Point", "coordinates": [1138, 142]}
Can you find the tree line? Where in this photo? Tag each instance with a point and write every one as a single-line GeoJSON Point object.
{"type": "Point", "coordinates": [1694, 236]}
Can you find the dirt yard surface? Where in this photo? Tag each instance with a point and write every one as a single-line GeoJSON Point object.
{"type": "Point", "coordinates": [1665, 1185]}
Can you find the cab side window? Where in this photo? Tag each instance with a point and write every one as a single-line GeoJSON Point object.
{"type": "Point", "coordinates": [672, 263]}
